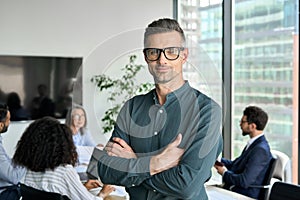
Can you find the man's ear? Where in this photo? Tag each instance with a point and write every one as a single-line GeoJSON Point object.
{"type": "Point", "coordinates": [185, 54]}
{"type": "Point", "coordinates": [252, 126]}
{"type": "Point", "coordinates": [1, 126]}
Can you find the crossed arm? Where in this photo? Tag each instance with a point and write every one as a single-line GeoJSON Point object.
{"type": "Point", "coordinates": [167, 159]}
{"type": "Point", "coordinates": [179, 176]}
{"type": "Point", "coordinates": [174, 171]}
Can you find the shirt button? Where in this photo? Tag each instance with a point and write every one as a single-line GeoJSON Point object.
{"type": "Point", "coordinates": [154, 190]}
{"type": "Point", "coordinates": [132, 185]}
{"type": "Point", "coordinates": [161, 111]}
{"type": "Point", "coordinates": [155, 133]}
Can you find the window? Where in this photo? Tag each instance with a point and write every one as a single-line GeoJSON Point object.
{"type": "Point", "coordinates": [264, 72]}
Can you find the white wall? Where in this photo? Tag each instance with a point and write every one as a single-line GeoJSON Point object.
{"type": "Point", "coordinates": [75, 29]}
{"type": "Point", "coordinates": [70, 28]}
{"type": "Point", "coordinates": [11, 137]}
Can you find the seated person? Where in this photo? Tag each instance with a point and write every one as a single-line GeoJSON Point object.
{"type": "Point", "coordinates": [251, 166]}
{"type": "Point", "coordinates": [17, 111]}
{"type": "Point", "coordinates": [77, 121]}
{"type": "Point", "coordinates": [9, 173]}
{"type": "Point", "coordinates": [42, 105]}
{"type": "Point", "coordinates": [47, 150]}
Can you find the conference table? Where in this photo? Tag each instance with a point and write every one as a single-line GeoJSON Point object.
{"type": "Point", "coordinates": [218, 193]}
{"type": "Point", "coordinates": [213, 192]}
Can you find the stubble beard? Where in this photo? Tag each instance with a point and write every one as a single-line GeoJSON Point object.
{"type": "Point", "coordinates": [245, 133]}
{"type": "Point", "coordinates": [163, 78]}
{"type": "Point", "coordinates": [4, 129]}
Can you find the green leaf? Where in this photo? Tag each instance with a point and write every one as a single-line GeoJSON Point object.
{"type": "Point", "coordinates": [120, 90]}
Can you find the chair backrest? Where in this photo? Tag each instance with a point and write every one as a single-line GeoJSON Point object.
{"type": "Point", "coordinates": [30, 193]}
{"type": "Point", "coordinates": [284, 191]}
{"type": "Point", "coordinates": [264, 191]}
{"type": "Point", "coordinates": [283, 167]}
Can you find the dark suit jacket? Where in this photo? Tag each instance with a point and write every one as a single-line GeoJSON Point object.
{"type": "Point", "coordinates": [248, 169]}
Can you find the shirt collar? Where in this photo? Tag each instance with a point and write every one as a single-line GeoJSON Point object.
{"type": "Point", "coordinates": [173, 94]}
{"type": "Point", "coordinates": [253, 139]}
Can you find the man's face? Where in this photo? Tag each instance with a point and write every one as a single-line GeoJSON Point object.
{"type": "Point", "coordinates": [164, 70]}
{"type": "Point", "coordinates": [4, 125]}
{"type": "Point", "coordinates": [244, 126]}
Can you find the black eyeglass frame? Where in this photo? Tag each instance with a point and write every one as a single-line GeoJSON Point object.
{"type": "Point", "coordinates": [163, 50]}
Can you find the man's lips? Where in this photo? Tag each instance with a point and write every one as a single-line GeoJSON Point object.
{"type": "Point", "coordinates": [162, 69]}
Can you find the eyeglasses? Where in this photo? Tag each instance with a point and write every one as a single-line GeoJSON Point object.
{"type": "Point", "coordinates": [241, 122]}
{"type": "Point", "coordinates": [78, 117]}
{"type": "Point", "coordinates": [171, 53]}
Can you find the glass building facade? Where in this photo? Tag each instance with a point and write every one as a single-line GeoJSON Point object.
{"type": "Point", "coordinates": [263, 65]}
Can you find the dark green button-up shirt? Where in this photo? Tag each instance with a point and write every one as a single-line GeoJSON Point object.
{"type": "Point", "coordinates": [149, 127]}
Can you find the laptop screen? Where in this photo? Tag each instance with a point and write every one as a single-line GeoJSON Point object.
{"type": "Point", "coordinates": [92, 169]}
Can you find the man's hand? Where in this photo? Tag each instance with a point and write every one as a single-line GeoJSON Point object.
{"type": "Point", "coordinates": [119, 148]}
{"type": "Point", "coordinates": [168, 158]}
{"type": "Point", "coordinates": [220, 169]}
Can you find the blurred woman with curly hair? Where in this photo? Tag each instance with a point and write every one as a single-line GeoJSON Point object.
{"type": "Point", "coordinates": [47, 150]}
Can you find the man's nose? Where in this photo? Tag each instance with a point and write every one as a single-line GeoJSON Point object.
{"type": "Point", "coordinates": [162, 58]}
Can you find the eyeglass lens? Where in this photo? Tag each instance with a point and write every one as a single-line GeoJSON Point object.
{"type": "Point", "coordinates": [171, 53]}
{"type": "Point", "coordinates": [77, 117]}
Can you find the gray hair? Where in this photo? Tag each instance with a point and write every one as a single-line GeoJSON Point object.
{"type": "Point", "coordinates": [163, 25]}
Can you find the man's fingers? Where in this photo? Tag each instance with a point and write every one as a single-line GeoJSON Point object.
{"type": "Point", "coordinates": [177, 141]}
{"type": "Point", "coordinates": [112, 148]}
{"type": "Point", "coordinates": [178, 138]}
{"type": "Point", "coordinates": [119, 148]}
{"type": "Point", "coordinates": [109, 144]}
{"type": "Point", "coordinates": [111, 154]}
{"type": "Point", "coordinates": [122, 143]}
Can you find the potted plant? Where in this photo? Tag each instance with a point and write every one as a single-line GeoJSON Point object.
{"type": "Point", "coordinates": [126, 87]}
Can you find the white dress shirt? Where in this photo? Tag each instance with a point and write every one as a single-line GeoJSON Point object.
{"type": "Point", "coordinates": [9, 174]}
{"type": "Point", "coordinates": [252, 140]}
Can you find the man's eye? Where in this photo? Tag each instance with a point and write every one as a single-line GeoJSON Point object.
{"type": "Point", "coordinates": [172, 51]}
{"type": "Point", "coordinates": [153, 52]}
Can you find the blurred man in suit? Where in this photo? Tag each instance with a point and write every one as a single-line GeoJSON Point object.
{"type": "Point", "coordinates": [251, 166]}
{"type": "Point", "coordinates": [9, 173]}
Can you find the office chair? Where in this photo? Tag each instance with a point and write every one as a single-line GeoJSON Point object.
{"type": "Point", "coordinates": [283, 170]}
{"type": "Point", "coordinates": [284, 191]}
{"type": "Point", "coordinates": [30, 193]}
{"type": "Point", "coordinates": [266, 185]}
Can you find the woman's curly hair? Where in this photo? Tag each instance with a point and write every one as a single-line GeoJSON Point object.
{"type": "Point", "coordinates": [45, 144]}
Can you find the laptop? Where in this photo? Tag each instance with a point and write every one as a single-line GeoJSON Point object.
{"type": "Point", "coordinates": [92, 169]}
